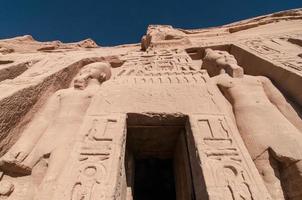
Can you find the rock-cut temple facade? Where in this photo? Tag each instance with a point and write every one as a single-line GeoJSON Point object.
{"type": "Point", "coordinates": [203, 114]}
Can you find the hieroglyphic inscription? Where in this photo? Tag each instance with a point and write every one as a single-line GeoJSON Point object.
{"type": "Point", "coordinates": [92, 173]}
{"type": "Point", "coordinates": [278, 49]}
{"type": "Point", "coordinates": [95, 157]}
{"type": "Point", "coordinates": [218, 143]}
{"type": "Point", "coordinates": [169, 77]}
{"type": "Point", "coordinates": [95, 149]}
{"type": "Point", "coordinates": [226, 174]}
{"type": "Point", "coordinates": [160, 60]}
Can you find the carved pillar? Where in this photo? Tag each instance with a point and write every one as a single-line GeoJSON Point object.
{"type": "Point", "coordinates": [95, 169]}
{"type": "Point", "coordinates": [222, 161]}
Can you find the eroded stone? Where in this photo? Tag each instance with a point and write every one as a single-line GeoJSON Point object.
{"type": "Point", "coordinates": [209, 113]}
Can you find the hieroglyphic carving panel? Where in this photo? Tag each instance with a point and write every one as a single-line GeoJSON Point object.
{"type": "Point", "coordinates": [95, 167]}
{"type": "Point", "coordinates": [160, 60]}
{"type": "Point", "coordinates": [278, 49]}
{"type": "Point", "coordinates": [167, 77]}
{"type": "Point", "coordinates": [228, 173]}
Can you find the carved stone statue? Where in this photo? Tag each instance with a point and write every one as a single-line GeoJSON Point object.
{"type": "Point", "coordinates": [221, 61]}
{"type": "Point", "coordinates": [270, 127]}
{"type": "Point", "coordinates": [52, 132]}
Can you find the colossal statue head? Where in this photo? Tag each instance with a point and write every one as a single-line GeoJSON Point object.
{"type": "Point", "coordinates": [101, 71]}
{"type": "Point", "coordinates": [217, 62]}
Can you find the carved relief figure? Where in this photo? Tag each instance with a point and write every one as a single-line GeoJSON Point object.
{"type": "Point", "coordinates": [52, 132]}
{"type": "Point", "coordinates": [270, 127]}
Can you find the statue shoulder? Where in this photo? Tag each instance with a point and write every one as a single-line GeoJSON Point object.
{"type": "Point", "coordinates": [62, 92]}
{"type": "Point", "coordinates": [263, 79]}
{"type": "Point", "coordinates": [223, 80]}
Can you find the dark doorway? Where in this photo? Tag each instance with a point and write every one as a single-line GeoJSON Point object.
{"type": "Point", "coordinates": [154, 179]}
{"type": "Point", "coordinates": [157, 161]}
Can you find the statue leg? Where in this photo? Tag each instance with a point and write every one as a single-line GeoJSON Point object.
{"type": "Point", "coordinates": [269, 170]}
{"type": "Point", "coordinates": [292, 177]}
{"type": "Point", "coordinates": [57, 160]}
{"type": "Point", "coordinates": [33, 158]}
{"type": "Point", "coordinates": [14, 160]}
{"type": "Point", "coordinates": [45, 145]}
{"type": "Point", "coordinates": [11, 165]}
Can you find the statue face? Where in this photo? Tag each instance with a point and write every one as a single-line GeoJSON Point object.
{"type": "Point", "coordinates": [81, 81]}
{"type": "Point", "coordinates": [97, 72]}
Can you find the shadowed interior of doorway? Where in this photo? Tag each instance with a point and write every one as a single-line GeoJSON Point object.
{"type": "Point", "coordinates": [154, 179]}
{"type": "Point", "coordinates": [157, 162]}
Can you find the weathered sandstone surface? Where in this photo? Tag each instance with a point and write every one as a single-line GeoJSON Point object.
{"type": "Point", "coordinates": [207, 114]}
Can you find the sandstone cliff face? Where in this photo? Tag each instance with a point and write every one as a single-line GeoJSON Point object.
{"type": "Point", "coordinates": [168, 80]}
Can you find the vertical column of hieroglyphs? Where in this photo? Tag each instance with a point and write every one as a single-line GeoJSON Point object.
{"type": "Point", "coordinates": [95, 169]}
{"type": "Point", "coordinates": [226, 171]}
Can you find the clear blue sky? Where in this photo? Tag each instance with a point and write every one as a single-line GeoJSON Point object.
{"type": "Point", "coordinates": [112, 22]}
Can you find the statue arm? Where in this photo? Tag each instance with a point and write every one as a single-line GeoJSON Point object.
{"type": "Point", "coordinates": [222, 81]}
{"type": "Point", "coordinates": [276, 97]}
{"type": "Point", "coordinates": [218, 79]}
{"type": "Point", "coordinates": [35, 130]}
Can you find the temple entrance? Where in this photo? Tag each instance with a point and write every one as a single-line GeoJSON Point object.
{"type": "Point", "coordinates": [157, 162]}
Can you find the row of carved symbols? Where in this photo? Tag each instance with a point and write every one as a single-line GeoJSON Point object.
{"type": "Point", "coordinates": [193, 79]}
{"type": "Point", "coordinates": [157, 59]}
{"type": "Point", "coordinates": [154, 73]}
{"type": "Point", "coordinates": [278, 50]}
{"type": "Point", "coordinates": [294, 64]}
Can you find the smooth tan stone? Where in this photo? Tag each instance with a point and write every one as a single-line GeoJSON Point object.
{"type": "Point", "coordinates": [232, 93]}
